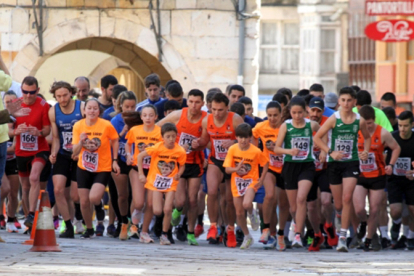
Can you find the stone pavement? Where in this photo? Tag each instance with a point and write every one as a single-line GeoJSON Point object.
{"type": "Point", "coordinates": [108, 256]}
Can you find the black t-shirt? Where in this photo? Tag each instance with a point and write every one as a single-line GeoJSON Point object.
{"type": "Point", "coordinates": [404, 160]}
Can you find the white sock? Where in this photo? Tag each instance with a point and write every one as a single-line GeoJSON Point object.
{"type": "Point", "coordinates": [182, 219]}
{"type": "Point", "coordinates": [410, 234]}
{"type": "Point", "coordinates": [384, 232]}
{"type": "Point", "coordinates": [406, 228]}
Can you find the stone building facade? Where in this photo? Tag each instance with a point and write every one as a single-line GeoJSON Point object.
{"type": "Point", "coordinates": [198, 39]}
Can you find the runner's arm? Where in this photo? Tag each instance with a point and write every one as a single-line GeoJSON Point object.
{"type": "Point", "coordinates": [128, 153]}
{"type": "Point", "coordinates": [279, 142]}
{"type": "Point", "coordinates": [201, 143]}
{"type": "Point", "coordinates": [55, 133]}
{"type": "Point", "coordinates": [140, 157]}
{"type": "Point", "coordinates": [365, 134]}
{"type": "Point", "coordinates": [180, 172]}
{"type": "Point", "coordinates": [12, 148]}
{"type": "Point", "coordinates": [173, 118]}
{"type": "Point", "coordinates": [264, 172]}
{"type": "Point", "coordinates": [323, 130]}
{"type": "Point", "coordinates": [390, 142]}
{"type": "Point", "coordinates": [115, 148]}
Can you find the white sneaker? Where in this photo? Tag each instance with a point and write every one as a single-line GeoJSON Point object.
{"type": "Point", "coordinates": [164, 240]}
{"type": "Point", "coordinates": [292, 231]}
{"type": "Point", "coordinates": [342, 245]}
{"type": "Point", "coordinates": [79, 229]}
{"type": "Point", "coordinates": [297, 242]}
{"type": "Point", "coordinates": [254, 220]}
{"type": "Point", "coordinates": [11, 228]}
{"type": "Point", "coordinates": [145, 238]}
{"type": "Point", "coordinates": [247, 242]}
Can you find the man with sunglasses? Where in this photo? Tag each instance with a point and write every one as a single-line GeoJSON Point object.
{"type": "Point", "coordinates": [32, 149]}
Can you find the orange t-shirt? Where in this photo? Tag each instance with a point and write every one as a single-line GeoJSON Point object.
{"type": "Point", "coordinates": [164, 166]}
{"type": "Point", "coordinates": [187, 132]}
{"type": "Point", "coordinates": [268, 135]}
{"type": "Point", "coordinates": [218, 135]}
{"type": "Point", "coordinates": [96, 155]}
{"type": "Point", "coordinates": [142, 140]}
{"type": "Point", "coordinates": [248, 176]}
{"type": "Point", "coordinates": [316, 151]}
{"type": "Point", "coordinates": [374, 166]}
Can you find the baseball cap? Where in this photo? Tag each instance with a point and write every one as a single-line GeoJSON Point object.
{"type": "Point", "coordinates": [317, 102]}
{"type": "Point", "coordinates": [331, 99]}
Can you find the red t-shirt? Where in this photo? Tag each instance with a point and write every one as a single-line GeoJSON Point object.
{"type": "Point", "coordinates": [26, 144]}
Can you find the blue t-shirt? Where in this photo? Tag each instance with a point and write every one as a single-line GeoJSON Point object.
{"type": "Point", "coordinates": [250, 121]}
{"type": "Point", "coordinates": [118, 123]}
{"type": "Point", "coordinates": [328, 112]}
{"type": "Point", "coordinates": [106, 113]}
{"type": "Point", "coordinates": [145, 102]}
{"type": "Point", "coordinates": [160, 107]}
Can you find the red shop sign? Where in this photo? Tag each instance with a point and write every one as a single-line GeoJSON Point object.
{"type": "Point", "coordinates": [394, 30]}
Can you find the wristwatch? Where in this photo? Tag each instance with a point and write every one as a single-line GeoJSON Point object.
{"type": "Point", "coordinates": [114, 159]}
{"type": "Point", "coordinates": [330, 151]}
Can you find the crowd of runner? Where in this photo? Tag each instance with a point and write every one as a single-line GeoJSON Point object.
{"type": "Point", "coordinates": [303, 175]}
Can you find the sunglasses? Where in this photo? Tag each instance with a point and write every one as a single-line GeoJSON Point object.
{"type": "Point", "coordinates": [29, 92]}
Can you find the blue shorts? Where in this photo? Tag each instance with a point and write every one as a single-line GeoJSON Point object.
{"type": "Point", "coordinates": [259, 197]}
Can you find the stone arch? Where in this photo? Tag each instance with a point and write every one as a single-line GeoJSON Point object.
{"type": "Point", "coordinates": [128, 41]}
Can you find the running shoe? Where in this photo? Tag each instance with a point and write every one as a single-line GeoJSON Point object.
{"type": "Point", "coordinates": [110, 230]}
{"type": "Point", "coordinates": [410, 244]}
{"type": "Point", "coordinates": [180, 233]}
{"type": "Point", "coordinates": [281, 245]}
{"type": "Point", "coordinates": [88, 234]}
{"type": "Point", "coordinates": [231, 239]}
{"type": "Point", "coordinates": [385, 243]}
{"type": "Point", "coordinates": [297, 242]}
{"type": "Point", "coordinates": [254, 220]}
{"type": "Point", "coordinates": [239, 236]}
{"type": "Point", "coordinates": [11, 228]}
{"type": "Point", "coordinates": [100, 229]}
{"type": "Point", "coordinates": [62, 227]}
{"type": "Point", "coordinates": [401, 243]}
{"type": "Point", "coordinates": [395, 232]}
{"type": "Point", "coordinates": [366, 246]}
{"type": "Point", "coordinates": [68, 233]}
{"type": "Point", "coordinates": [316, 244]}
{"type": "Point", "coordinates": [375, 244]}
{"type": "Point", "coordinates": [362, 230]}
{"type": "Point", "coordinates": [247, 241]}
{"type": "Point", "coordinates": [342, 245]}
{"type": "Point", "coordinates": [338, 219]}
{"type": "Point", "coordinates": [79, 227]}
{"type": "Point", "coordinates": [271, 243]}
{"type": "Point", "coordinates": [191, 239]}
{"type": "Point", "coordinates": [288, 243]}
{"type": "Point", "coordinates": [145, 238]}
{"type": "Point", "coordinates": [164, 240]}
{"type": "Point", "coordinates": [117, 230]}
{"type": "Point", "coordinates": [170, 236]}
{"type": "Point", "coordinates": [123, 236]}
{"type": "Point", "coordinates": [29, 220]}
{"type": "Point", "coordinates": [332, 236]}
{"type": "Point", "coordinates": [17, 224]}
{"type": "Point", "coordinates": [309, 241]}
{"type": "Point", "coordinates": [355, 242]}
{"type": "Point", "coordinates": [2, 222]}
{"type": "Point", "coordinates": [212, 234]}
{"type": "Point", "coordinates": [175, 217]}
{"type": "Point", "coordinates": [133, 232]}
{"type": "Point", "coordinates": [1, 240]}
{"type": "Point", "coordinates": [265, 236]}
{"type": "Point", "coordinates": [56, 223]}
{"type": "Point", "coordinates": [198, 230]}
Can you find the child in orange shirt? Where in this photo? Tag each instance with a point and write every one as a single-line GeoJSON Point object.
{"type": "Point", "coordinates": [242, 162]}
{"type": "Point", "coordinates": [167, 165]}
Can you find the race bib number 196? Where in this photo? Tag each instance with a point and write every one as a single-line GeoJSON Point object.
{"type": "Point", "coordinates": [90, 161]}
{"type": "Point", "coordinates": [162, 182]}
{"type": "Point", "coordinates": [28, 142]}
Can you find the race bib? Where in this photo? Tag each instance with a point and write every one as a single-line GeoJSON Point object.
{"type": "Point", "coordinates": [121, 149]}
{"type": "Point", "coordinates": [67, 141]}
{"type": "Point", "coordinates": [242, 185]}
{"type": "Point", "coordinates": [345, 146]}
{"type": "Point", "coordinates": [302, 144]}
{"type": "Point", "coordinates": [186, 139]}
{"type": "Point", "coordinates": [276, 160]}
{"type": "Point", "coordinates": [318, 164]}
{"type": "Point", "coordinates": [368, 165]}
{"type": "Point", "coordinates": [28, 142]}
{"type": "Point", "coordinates": [146, 162]}
{"type": "Point", "coordinates": [221, 151]}
{"type": "Point", "coordinates": [162, 182]}
{"type": "Point", "coordinates": [90, 161]}
{"type": "Point", "coordinates": [402, 165]}
{"type": "Point", "coordinates": [10, 156]}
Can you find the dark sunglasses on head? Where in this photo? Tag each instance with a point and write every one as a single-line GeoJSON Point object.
{"type": "Point", "coordinates": [29, 92]}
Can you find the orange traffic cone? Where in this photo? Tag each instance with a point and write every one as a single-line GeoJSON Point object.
{"type": "Point", "coordinates": [33, 232]}
{"type": "Point", "coordinates": [45, 239]}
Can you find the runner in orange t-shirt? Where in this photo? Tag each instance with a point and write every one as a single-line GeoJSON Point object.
{"type": "Point", "coordinates": [268, 131]}
{"type": "Point", "coordinates": [93, 139]}
{"type": "Point", "coordinates": [142, 136]}
{"type": "Point", "coordinates": [167, 166]}
{"type": "Point", "coordinates": [188, 122]}
{"type": "Point", "coordinates": [372, 181]}
{"type": "Point", "coordinates": [242, 162]}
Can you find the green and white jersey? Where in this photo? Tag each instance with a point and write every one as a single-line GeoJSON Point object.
{"type": "Point", "coordinates": [344, 137]}
{"type": "Point", "coordinates": [299, 138]}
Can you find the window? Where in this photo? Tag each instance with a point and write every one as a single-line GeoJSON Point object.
{"type": "Point", "coordinates": [327, 64]}
{"type": "Point", "coordinates": [279, 49]}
